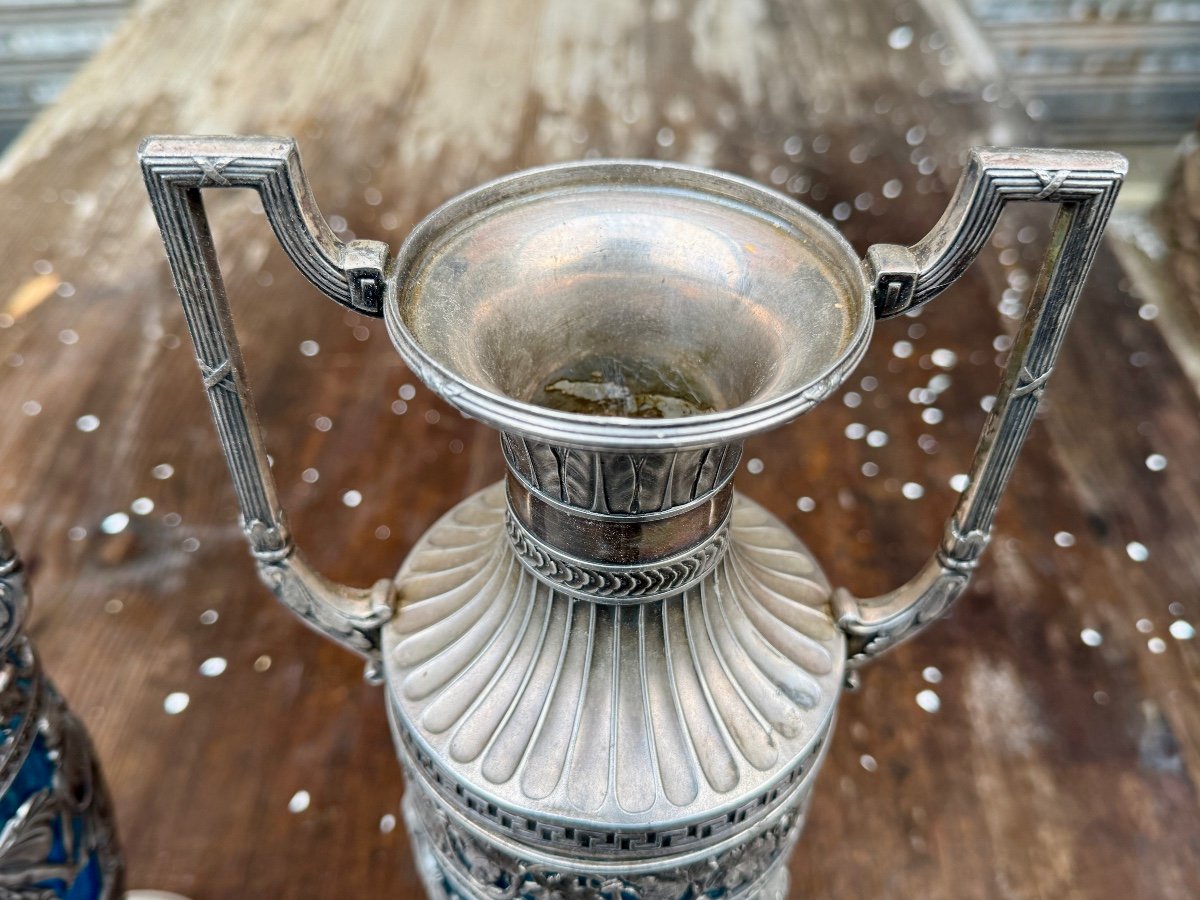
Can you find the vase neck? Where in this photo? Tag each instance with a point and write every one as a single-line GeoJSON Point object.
{"type": "Point", "coordinates": [618, 527]}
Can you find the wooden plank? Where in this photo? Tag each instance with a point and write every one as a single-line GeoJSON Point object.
{"type": "Point", "coordinates": [1051, 768]}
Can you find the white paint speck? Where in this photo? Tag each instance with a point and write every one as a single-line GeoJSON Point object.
{"type": "Point", "coordinates": [142, 506]}
{"type": "Point", "coordinates": [932, 415]}
{"type": "Point", "coordinates": [262, 663]}
{"type": "Point", "coordinates": [1091, 637]}
{"type": "Point", "coordinates": [383, 533]}
{"type": "Point", "coordinates": [76, 533]}
{"type": "Point", "coordinates": [387, 824]}
{"type": "Point", "coordinates": [1181, 630]}
{"type": "Point", "coordinates": [870, 469]}
{"type": "Point", "coordinates": [113, 606]}
{"type": "Point", "coordinates": [310, 476]}
{"type": "Point", "coordinates": [892, 189]}
{"type": "Point", "coordinates": [912, 491]}
{"type": "Point", "coordinates": [300, 802]}
{"type": "Point", "coordinates": [31, 407]}
{"type": "Point", "coordinates": [856, 431]}
{"type": "Point", "coordinates": [1156, 462]}
{"type": "Point", "coordinates": [399, 407]}
{"type": "Point", "coordinates": [322, 423]}
{"type": "Point", "coordinates": [1148, 311]}
{"type": "Point", "coordinates": [1156, 645]}
{"type": "Point", "coordinates": [1137, 551]}
{"type": "Point", "coordinates": [114, 523]}
{"type": "Point", "coordinates": [868, 762]}
{"type": "Point", "coordinates": [900, 38]}
{"type": "Point", "coordinates": [932, 674]}
{"type": "Point", "coordinates": [310, 348]}
{"type": "Point", "coordinates": [960, 482]}
{"type": "Point", "coordinates": [877, 438]}
{"type": "Point", "coordinates": [209, 617]}
{"type": "Point", "coordinates": [853, 400]}
{"type": "Point", "coordinates": [213, 666]}
{"type": "Point", "coordinates": [87, 423]}
{"type": "Point", "coordinates": [162, 471]}
{"type": "Point", "coordinates": [842, 211]}
{"type": "Point", "coordinates": [1064, 539]}
{"type": "Point", "coordinates": [943, 358]}
{"type": "Point", "coordinates": [352, 498]}
{"type": "Point", "coordinates": [988, 403]}
{"type": "Point", "coordinates": [754, 466]}
{"type": "Point", "coordinates": [407, 392]}
{"type": "Point", "coordinates": [176, 702]}
{"type": "Point", "coordinates": [929, 701]}
{"type": "Point", "coordinates": [806, 504]}
{"type": "Point", "coordinates": [1145, 626]}
{"type": "Point", "coordinates": [665, 137]}
{"type": "Point", "coordinates": [902, 349]}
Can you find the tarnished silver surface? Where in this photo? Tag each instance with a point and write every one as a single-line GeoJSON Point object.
{"type": "Point", "coordinates": [612, 676]}
{"type": "Point", "coordinates": [642, 729]}
{"type": "Point", "coordinates": [696, 279]}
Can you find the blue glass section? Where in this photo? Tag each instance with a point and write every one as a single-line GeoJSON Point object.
{"type": "Point", "coordinates": [89, 882]}
{"type": "Point", "coordinates": [36, 774]}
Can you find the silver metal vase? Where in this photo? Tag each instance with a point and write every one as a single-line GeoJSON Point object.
{"type": "Point", "coordinates": [611, 676]}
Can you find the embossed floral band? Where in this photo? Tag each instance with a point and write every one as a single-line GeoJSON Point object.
{"type": "Point", "coordinates": [614, 676]}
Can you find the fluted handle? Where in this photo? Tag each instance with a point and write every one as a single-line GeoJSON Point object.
{"type": "Point", "coordinates": [176, 169]}
{"type": "Point", "coordinates": [1085, 185]}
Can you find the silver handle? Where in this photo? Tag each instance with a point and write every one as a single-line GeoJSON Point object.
{"type": "Point", "coordinates": [176, 169]}
{"type": "Point", "coordinates": [1085, 185]}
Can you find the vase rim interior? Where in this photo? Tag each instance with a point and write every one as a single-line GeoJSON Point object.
{"type": "Point", "coordinates": [628, 304]}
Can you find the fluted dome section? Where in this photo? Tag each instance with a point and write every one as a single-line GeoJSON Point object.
{"type": "Point", "coordinates": [572, 710]}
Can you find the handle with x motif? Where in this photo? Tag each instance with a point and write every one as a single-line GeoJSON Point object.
{"type": "Point", "coordinates": [1084, 184]}
{"type": "Point", "coordinates": [175, 170]}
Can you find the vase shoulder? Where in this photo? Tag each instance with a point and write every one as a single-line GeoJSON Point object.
{"type": "Point", "coordinates": [578, 714]}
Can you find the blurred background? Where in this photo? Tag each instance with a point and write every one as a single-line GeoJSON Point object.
{"type": "Point", "coordinates": [1121, 74]}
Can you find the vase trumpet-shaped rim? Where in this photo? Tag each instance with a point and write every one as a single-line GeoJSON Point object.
{"type": "Point", "coordinates": [716, 306]}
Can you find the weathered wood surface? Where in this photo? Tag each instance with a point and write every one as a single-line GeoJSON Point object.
{"type": "Point", "coordinates": [1051, 768]}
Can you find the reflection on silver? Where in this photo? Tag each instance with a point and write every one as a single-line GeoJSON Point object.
{"type": "Point", "coordinates": [611, 676]}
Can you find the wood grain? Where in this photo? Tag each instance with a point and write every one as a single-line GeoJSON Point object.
{"type": "Point", "coordinates": [1051, 768]}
